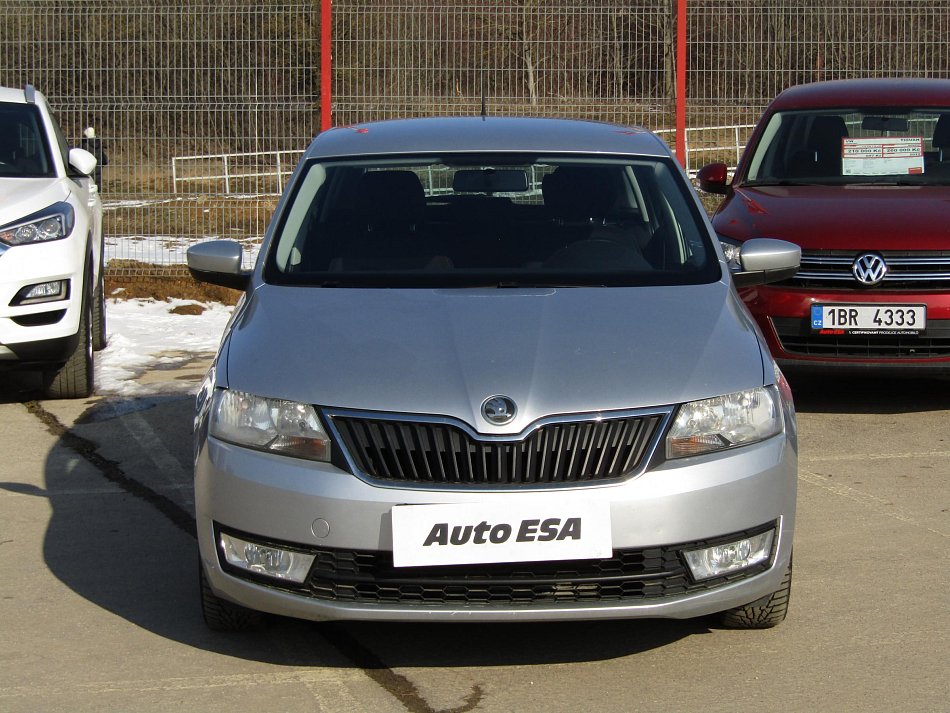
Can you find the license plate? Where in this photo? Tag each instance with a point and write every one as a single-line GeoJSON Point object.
{"type": "Point", "coordinates": [869, 318]}
{"type": "Point", "coordinates": [475, 533]}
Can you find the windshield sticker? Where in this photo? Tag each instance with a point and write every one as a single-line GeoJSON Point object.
{"type": "Point", "coordinates": [883, 156]}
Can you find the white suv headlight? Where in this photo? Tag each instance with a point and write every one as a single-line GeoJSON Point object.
{"type": "Point", "coordinates": [284, 427]}
{"type": "Point", "coordinates": [725, 422]}
{"type": "Point", "coordinates": [52, 223]}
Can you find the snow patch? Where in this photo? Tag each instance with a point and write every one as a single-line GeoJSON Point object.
{"type": "Point", "coordinates": [146, 335]}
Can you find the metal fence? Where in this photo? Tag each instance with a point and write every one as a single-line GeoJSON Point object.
{"type": "Point", "coordinates": [202, 105]}
{"type": "Point", "coordinates": [234, 172]}
{"type": "Point", "coordinates": [159, 80]}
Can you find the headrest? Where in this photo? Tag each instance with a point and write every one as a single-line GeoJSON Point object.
{"type": "Point", "coordinates": [390, 198]}
{"type": "Point", "coordinates": [941, 138]}
{"type": "Point", "coordinates": [827, 131]}
{"type": "Point", "coordinates": [579, 192]}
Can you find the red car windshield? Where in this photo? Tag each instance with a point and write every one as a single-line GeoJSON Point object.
{"type": "Point", "coordinates": [850, 146]}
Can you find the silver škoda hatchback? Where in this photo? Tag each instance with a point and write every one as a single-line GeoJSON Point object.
{"type": "Point", "coordinates": [488, 370]}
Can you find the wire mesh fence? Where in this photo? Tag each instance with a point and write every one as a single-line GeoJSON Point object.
{"type": "Point", "coordinates": [160, 80]}
{"type": "Point", "coordinates": [203, 107]}
{"type": "Point", "coordinates": [614, 60]}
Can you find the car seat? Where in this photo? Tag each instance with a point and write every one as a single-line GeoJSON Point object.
{"type": "Point", "coordinates": [387, 227]}
{"type": "Point", "coordinates": [941, 137]}
{"type": "Point", "coordinates": [822, 154]}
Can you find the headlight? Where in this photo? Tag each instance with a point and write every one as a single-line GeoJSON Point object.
{"type": "Point", "coordinates": [53, 223]}
{"type": "Point", "coordinates": [725, 422]}
{"type": "Point", "coordinates": [283, 427]}
{"type": "Point", "coordinates": [731, 249]}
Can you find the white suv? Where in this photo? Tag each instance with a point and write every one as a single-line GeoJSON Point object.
{"type": "Point", "coordinates": [52, 308]}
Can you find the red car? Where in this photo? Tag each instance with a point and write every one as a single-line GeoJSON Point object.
{"type": "Point", "coordinates": [857, 173]}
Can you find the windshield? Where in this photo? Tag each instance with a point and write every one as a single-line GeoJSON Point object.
{"type": "Point", "coordinates": [23, 151]}
{"type": "Point", "coordinates": [491, 221]}
{"type": "Point", "coordinates": [850, 146]}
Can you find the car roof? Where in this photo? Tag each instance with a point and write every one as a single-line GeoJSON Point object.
{"type": "Point", "coordinates": [859, 93]}
{"type": "Point", "coordinates": [481, 134]}
{"type": "Point", "coordinates": [10, 95]}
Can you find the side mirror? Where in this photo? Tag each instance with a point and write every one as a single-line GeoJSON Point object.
{"type": "Point", "coordinates": [82, 161]}
{"type": "Point", "coordinates": [713, 178]}
{"type": "Point", "coordinates": [218, 262]}
{"type": "Point", "coordinates": [766, 260]}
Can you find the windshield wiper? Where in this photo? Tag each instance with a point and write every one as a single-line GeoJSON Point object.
{"type": "Point", "coordinates": [894, 182]}
{"type": "Point", "coordinates": [514, 284]}
{"type": "Point", "coordinates": [782, 182]}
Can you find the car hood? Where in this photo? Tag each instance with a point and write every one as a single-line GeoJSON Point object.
{"type": "Point", "coordinates": [840, 217]}
{"type": "Point", "coordinates": [19, 197]}
{"type": "Point", "coordinates": [552, 351]}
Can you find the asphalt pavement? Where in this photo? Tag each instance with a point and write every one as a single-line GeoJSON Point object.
{"type": "Point", "coordinates": [99, 600]}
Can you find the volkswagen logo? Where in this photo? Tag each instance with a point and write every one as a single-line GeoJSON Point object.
{"type": "Point", "coordinates": [869, 269]}
{"type": "Point", "coordinates": [498, 410]}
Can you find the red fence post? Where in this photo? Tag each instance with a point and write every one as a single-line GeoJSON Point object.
{"type": "Point", "coordinates": [681, 81]}
{"type": "Point", "coordinates": [326, 64]}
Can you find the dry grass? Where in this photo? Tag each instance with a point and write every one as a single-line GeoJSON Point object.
{"type": "Point", "coordinates": [710, 201]}
{"type": "Point", "coordinates": [191, 216]}
{"type": "Point", "coordinates": [126, 279]}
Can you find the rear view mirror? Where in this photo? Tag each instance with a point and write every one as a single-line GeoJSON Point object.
{"type": "Point", "coordinates": [884, 123]}
{"type": "Point", "coordinates": [218, 262]}
{"type": "Point", "coordinates": [713, 178]}
{"type": "Point", "coordinates": [766, 260]}
{"type": "Point", "coordinates": [490, 180]}
{"type": "Point", "coordinates": [82, 161]}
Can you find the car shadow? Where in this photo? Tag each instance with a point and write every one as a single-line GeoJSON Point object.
{"type": "Point", "coordinates": [121, 535]}
{"type": "Point", "coordinates": [18, 386]}
{"type": "Point", "coordinates": [859, 394]}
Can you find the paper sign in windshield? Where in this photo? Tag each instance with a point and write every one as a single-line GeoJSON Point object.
{"type": "Point", "coordinates": [883, 156]}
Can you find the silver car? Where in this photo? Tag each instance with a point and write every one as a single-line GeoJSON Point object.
{"type": "Point", "coordinates": [493, 369]}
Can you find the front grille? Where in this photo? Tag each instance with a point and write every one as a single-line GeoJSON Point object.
{"type": "Point", "coordinates": [905, 270]}
{"type": "Point", "coordinates": [392, 449]}
{"type": "Point", "coordinates": [628, 576]}
{"type": "Point", "coordinates": [796, 337]}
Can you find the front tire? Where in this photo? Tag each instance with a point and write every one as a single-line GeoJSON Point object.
{"type": "Point", "coordinates": [99, 336]}
{"type": "Point", "coordinates": [765, 613]}
{"type": "Point", "coordinates": [220, 614]}
{"type": "Point", "coordinates": [74, 379]}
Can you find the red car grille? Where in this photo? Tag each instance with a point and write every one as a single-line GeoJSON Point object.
{"type": "Point", "coordinates": [796, 337]}
{"type": "Point", "coordinates": [905, 270]}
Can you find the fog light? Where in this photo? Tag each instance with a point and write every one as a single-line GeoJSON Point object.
{"type": "Point", "coordinates": [730, 557]}
{"type": "Point", "coordinates": [262, 559]}
{"type": "Point", "coordinates": [41, 292]}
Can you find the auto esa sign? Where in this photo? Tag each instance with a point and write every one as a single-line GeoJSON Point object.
{"type": "Point", "coordinates": [473, 533]}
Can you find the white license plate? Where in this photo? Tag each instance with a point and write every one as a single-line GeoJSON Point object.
{"type": "Point", "coordinates": [531, 530]}
{"type": "Point", "coordinates": [870, 318]}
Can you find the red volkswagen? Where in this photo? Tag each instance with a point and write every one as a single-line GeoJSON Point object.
{"type": "Point", "coordinates": [857, 173]}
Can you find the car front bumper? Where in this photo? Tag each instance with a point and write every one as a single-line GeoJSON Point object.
{"type": "Point", "coordinates": [687, 501]}
{"type": "Point", "coordinates": [784, 313]}
{"type": "Point", "coordinates": [45, 331]}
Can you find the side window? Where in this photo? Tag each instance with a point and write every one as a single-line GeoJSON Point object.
{"type": "Point", "coordinates": [676, 242]}
{"type": "Point", "coordinates": [63, 148]}
{"type": "Point", "coordinates": [301, 219]}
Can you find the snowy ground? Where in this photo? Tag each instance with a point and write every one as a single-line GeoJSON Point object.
{"type": "Point", "coordinates": [145, 334]}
